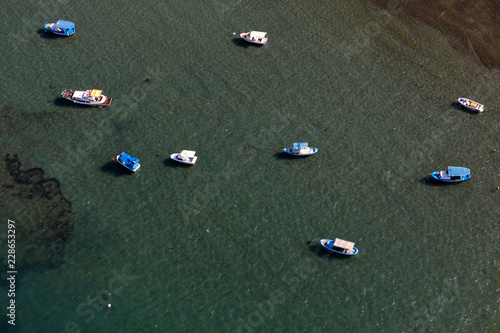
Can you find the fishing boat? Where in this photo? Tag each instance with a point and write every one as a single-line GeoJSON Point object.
{"type": "Point", "coordinates": [300, 149]}
{"type": "Point", "coordinates": [452, 175]}
{"type": "Point", "coordinates": [128, 161]}
{"type": "Point", "coordinates": [185, 156]}
{"type": "Point", "coordinates": [88, 97]}
{"type": "Point", "coordinates": [61, 27]}
{"type": "Point", "coordinates": [256, 37]}
{"type": "Point", "coordinates": [340, 246]}
{"type": "Point", "coordinates": [471, 105]}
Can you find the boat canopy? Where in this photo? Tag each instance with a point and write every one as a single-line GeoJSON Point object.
{"type": "Point", "coordinates": [258, 34]}
{"type": "Point", "coordinates": [61, 24]}
{"type": "Point", "coordinates": [300, 145]}
{"type": "Point", "coordinates": [79, 94]}
{"type": "Point", "coordinates": [95, 93]}
{"type": "Point", "coordinates": [343, 244]}
{"type": "Point", "coordinates": [457, 171]}
{"type": "Point", "coordinates": [128, 159]}
{"type": "Point", "coordinates": [188, 153]}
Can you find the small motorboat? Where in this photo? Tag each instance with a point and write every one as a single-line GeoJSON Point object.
{"type": "Point", "coordinates": [471, 105]}
{"type": "Point", "coordinates": [61, 27]}
{"type": "Point", "coordinates": [300, 149]}
{"type": "Point", "coordinates": [256, 37]}
{"type": "Point", "coordinates": [453, 174]}
{"type": "Point", "coordinates": [128, 161]}
{"type": "Point", "coordinates": [88, 97]}
{"type": "Point", "coordinates": [340, 246]}
{"type": "Point", "coordinates": [185, 156]}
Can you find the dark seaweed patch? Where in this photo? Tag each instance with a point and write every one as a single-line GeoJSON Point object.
{"type": "Point", "coordinates": [43, 216]}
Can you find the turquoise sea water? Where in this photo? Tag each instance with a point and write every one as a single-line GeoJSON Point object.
{"type": "Point", "coordinates": [231, 244]}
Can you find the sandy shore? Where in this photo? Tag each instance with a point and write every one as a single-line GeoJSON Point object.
{"type": "Point", "coordinates": [473, 26]}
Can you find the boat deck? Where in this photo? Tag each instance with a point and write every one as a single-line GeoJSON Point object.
{"type": "Point", "coordinates": [106, 102]}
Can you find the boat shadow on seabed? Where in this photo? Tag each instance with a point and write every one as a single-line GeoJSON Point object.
{"type": "Point", "coordinates": [241, 43]}
{"type": "Point", "coordinates": [460, 107]}
{"type": "Point", "coordinates": [64, 102]}
{"type": "Point", "coordinates": [168, 162]}
{"type": "Point", "coordinates": [430, 181]}
{"type": "Point", "coordinates": [113, 168]}
{"type": "Point", "coordinates": [284, 156]}
{"type": "Point", "coordinates": [48, 35]}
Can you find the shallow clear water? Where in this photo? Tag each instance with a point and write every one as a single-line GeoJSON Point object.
{"type": "Point", "coordinates": [231, 244]}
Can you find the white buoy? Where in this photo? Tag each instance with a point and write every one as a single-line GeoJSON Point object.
{"type": "Point", "coordinates": [109, 305]}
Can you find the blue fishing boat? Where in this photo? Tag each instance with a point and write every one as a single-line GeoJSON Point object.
{"type": "Point", "coordinates": [128, 161]}
{"type": "Point", "coordinates": [61, 27]}
{"type": "Point", "coordinates": [300, 149]}
{"type": "Point", "coordinates": [340, 246]}
{"type": "Point", "coordinates": [452, 175]}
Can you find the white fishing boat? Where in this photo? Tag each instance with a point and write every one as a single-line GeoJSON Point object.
{"type": "Point", "coordinates": [185, 156]}
{"type": "Point", "coordinates": [92, 97]}
{"type": "Point", "coordinates": [471, 105]}
{"type": "Point", "coordinates": [256, 37]}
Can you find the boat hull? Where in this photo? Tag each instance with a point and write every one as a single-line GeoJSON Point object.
{"type": "Point", "coordinates": [175, 158]}
{"type": "Point", "coordinates": [247, 38]}
{"type": "Point", "coordinates": [131, 169]}
{"type": "Point", "coordinates": [63, 32]}
{"type": "Point", "coordinates": [471, 105]}
{"type": "Point", "coordinates": [437, 175]}
{"type": "Point", "coordinates": [289, 151]}
{"type": "Point", "coordinates": [324, 243]}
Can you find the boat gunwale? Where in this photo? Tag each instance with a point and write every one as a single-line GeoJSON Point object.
{"type": "Point", "coordinates": [193, 160]}
{"type": "Point", "coordinates": [325, 241]}
{"type": "Point", "coordinates": [478, 108]}
{"type": "Point", "coordinates": [288, 150]}
{"type": "Point", "coordinates": [123, 164]}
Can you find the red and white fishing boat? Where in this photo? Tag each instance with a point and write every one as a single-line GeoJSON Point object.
{"type": "Point", "coordinates": [87, 97]}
